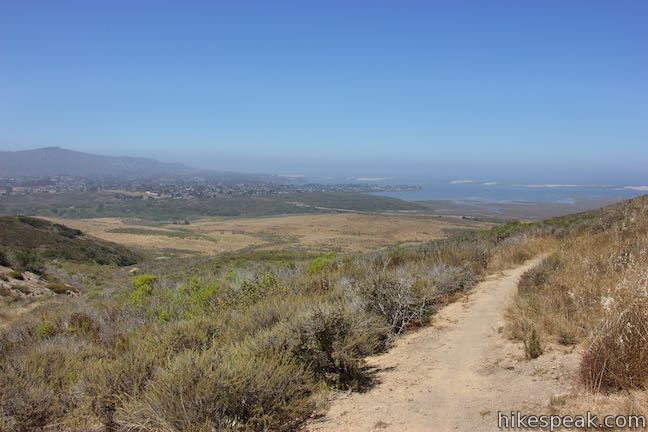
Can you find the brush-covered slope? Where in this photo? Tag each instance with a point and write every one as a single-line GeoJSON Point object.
{"type": "Point", "coordinates": [594, 291]}
{"type": "Point", "coordinates": [27, 242]}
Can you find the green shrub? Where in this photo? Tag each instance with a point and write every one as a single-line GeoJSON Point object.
{"type": "Point", "coordinates": [67, 231]}
{"type": "Point", "coordinates": [46, 329]}
{"type": "Point", "coordinates": [319, 270]}
{"type": "Point", "coordinates": [506, 230]}
{"type": "Point", "coordinates": [27, 260]}
{"type": "Point", "coordinates": [197, 296]}
{"type": "Point", "coordinates": [36, 387]}
{"type": "Point", "coordinates": [15, 274]}
{"type": "Point", "coordinates": [396, 257]}
{"type": "Point", "coordinates": [22, 288]}
{"type": "Point", "coordinates": [260, 286]}
{"type": "Point", "coordinates": [58, 288]}
{"type": "Point", "coordinates": [197, 333]}
{"type": "Point", "coordinates": [321, 263]}
{"type": "Point", "coordinates": [236, 388]}
{"type": "Point", "coordinates": [29, 243]}
{"type": "Point", "coordinates": [331, 339]}
{"type": "Point", "coordinates": [143, 284]}
{"type": "Point", "coordinates": [108, 382]}
{"type": "Point", "coordinates": [4, 261]}
{"type": "Point", "coordinates": [260, 316]}
{"type": "Point", "coordinates": [532, 346]}
{"type": "Point", "coordinates": [83, 324]}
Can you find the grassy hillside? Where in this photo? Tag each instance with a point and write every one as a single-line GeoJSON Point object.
{"type": "Point", "coordinates": [592, 293]}
{"type": "Point", "coordinates": [28, 243]}
{"type": "Point", "coordinates": [240, 342]}
{"type": "Point", "coordinates": [254, 341]}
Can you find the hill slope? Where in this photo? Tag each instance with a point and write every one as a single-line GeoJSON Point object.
{"type": "Point", "coordinates": [25, 243]}
{"type": "Point", "coordinates": [276, 329]}
{"type": "Point", "coordinates": [576, 323]}
{"type": "Point", "coordinates": [57, 161]}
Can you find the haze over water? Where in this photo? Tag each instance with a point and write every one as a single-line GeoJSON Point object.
{"type": "Point", "coordinates": [462, 191]}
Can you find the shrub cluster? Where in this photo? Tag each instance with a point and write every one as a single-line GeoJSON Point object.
{"type": "Point", "coordinates": [246, 344]}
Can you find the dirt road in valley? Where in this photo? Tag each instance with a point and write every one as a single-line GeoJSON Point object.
{"type": "Point", "coordinates": [456, 374]}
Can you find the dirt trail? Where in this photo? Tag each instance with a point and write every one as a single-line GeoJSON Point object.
{"type": "Point", "coordinates": [456, 374]}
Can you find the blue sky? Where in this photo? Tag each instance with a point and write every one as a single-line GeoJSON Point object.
{"type": "Point", "coordinates": [546, 89]}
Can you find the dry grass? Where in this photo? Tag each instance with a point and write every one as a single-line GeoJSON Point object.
{"type": "Point", "coordinates": [617, 352]}
{"type": "Point", "coordinates": [323, 232]}
{"type": "Point", "coordinates": [346, 232]}
{"type": "Point", "coordinates": [593, 291]}
{"type": "Point", "coordinates": [568, 298]}
{"type": "Point", "coordinates": [515, 250]}
{"type": "Point", "coordinates": [243, 346]}
{"type": "Point", "coordinates": [627, 403]}
{"type": "Point", "coordinates": [160, 239]}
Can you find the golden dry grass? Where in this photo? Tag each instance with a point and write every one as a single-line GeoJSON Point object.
{"type": "Point", "coordinates": [593, 293]}
{"type": "Point", "coordinates": [591, 278]}
{"type": "Point", "coordinates": [519, 249]}
{"type": "Point", "coordinates": [322, 232]}
{"type": "Point", "coordinates": [163, 238]}
{"type": "Point", "coordinates": [631, 403]}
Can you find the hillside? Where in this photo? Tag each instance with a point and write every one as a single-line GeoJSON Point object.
{"type": "Point", "coordinates": [51, 161]}
{"type": "Point", "coordinates": [566, 333]}
{"type": "Point", "coordinates": [28, 243]}
{"type": "Point", "coordinates": [258, 341]}
{"type": "Point", "coordinates": [592, 295]}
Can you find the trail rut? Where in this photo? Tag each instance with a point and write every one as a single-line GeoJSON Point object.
{"type": "Point", "coordinates": [455, 374]}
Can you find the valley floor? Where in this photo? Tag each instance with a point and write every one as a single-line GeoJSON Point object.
{"type": "Point", "coordinates": [339, 232]}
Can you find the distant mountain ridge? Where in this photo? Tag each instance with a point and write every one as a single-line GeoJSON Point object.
{"type": "Point", "coordinates": [49, 161]}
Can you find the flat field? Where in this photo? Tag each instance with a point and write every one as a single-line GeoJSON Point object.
{"type": "Point", "coordinates": [311, 232]}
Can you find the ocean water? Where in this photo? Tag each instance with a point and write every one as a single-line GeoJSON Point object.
{"type": "Point", "coordinates": [464, 191]}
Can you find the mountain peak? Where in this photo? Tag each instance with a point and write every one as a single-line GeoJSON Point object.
{"type": "Point", "coordinates": [48, 161]}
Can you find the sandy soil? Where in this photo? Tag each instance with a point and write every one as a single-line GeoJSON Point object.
{"type": "Point", "coordinates": [456, 374]}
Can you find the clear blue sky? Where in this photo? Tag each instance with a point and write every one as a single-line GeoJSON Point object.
{"type": "Point", "coordinates": [544, 88]}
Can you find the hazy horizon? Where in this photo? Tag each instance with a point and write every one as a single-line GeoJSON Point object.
{"type": "Point", "coordinates": [549, 92]}
{"type": "Point", "coordinates": [422, 172]}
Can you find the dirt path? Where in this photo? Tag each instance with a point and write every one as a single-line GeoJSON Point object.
{"type": "Point", "coordinates": [455, 374]}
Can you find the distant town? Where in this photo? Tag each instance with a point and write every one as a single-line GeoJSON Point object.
{"type": "Point", "coordinates": [179, 187]}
